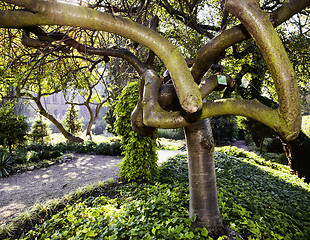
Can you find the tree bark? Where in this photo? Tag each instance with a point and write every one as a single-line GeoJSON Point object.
{"type": "Point", "coordinates": [50, 117]}
{"type": "Point", "coordinates": [297, 153]}
{"type": "Point", "coordinates": [88, 128]}
{"type": "Point", "coordinates": [202, 179]}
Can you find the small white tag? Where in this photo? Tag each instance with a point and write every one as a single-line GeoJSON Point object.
{"type": "Point", "coordinates": [221, 79]}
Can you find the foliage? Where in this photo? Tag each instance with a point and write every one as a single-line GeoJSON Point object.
{"type": "Point", "coordinates": [256, 130]}
{"type": "Point", "coordinates": [13, 128]}
{"type": "Point", "coordinates": [140, 212]}
{"type": "Point", "coordinates": [297, 47]}
{"type": "Point", "coordinates": [273, 145]}
{"type": "Point", "coordinates": [39, 130]}
{"type": "Point", "coordinates": [105, 148]}
{"type": "Point", "coordinates": [265, 202]}
{"type": "Point", "coordinates": [111, 148]}
{"type": "Point", "coordinates": [5, 164]}
{"type": "Point", "coordinates": [176, 134]}
{"type": "Point", "coordinates": [71, 121]}
{"type": "Point", "coordinates": [140, 161]}
{"type": "Point", "coordinates": [306, 125]}
{"type": "Point", "coordinates": [225, 129]}
{"type": "Point", "coordinates": [44, 154]}
{"type": "Point", "coordinates": [258, 199]}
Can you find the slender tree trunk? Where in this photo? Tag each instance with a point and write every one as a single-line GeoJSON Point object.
{"type": "Point", "coordinates": [88, 128]}
{"type": "Point", "coordinates": [202, 178]}
{"type": "Point", "coordinates": [60, 127]}
{"type": "Point", "coordinates": [261, 144]}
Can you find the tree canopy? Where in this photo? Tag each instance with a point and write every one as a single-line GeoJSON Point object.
{"type": "Point", "coordinates": [59, 32]}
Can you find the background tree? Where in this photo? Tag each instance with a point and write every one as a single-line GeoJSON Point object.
{"type": "Point", "coordinates": [71, 121]}
{"type": "Point", "coordinates": [13, 128]}
{"type": "Point", "coordinates": [39, 130]}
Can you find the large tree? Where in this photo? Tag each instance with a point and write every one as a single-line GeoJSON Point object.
{"type": "Point", "coordinates": [179, 104]}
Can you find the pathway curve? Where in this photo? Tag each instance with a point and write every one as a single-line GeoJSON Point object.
{"type": "Point", "coordinates": [240, 144]}
{"type": "Point", "coordinates": [20, 191]}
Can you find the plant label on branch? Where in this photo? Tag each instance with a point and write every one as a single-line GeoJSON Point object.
{"type": "Point", "coordinates": [221, 80]}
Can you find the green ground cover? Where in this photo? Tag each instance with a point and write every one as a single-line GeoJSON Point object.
{"type": "Point", "coordinates": [258, 198]}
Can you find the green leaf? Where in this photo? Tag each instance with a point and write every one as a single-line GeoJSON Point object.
{"type": "Point", "coordinates": [204, 232]}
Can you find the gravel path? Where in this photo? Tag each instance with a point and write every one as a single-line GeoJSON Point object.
{"type": "Point", "coordinates": [21, 191]}
{"type": "Point", "coordinates": [240, 144]}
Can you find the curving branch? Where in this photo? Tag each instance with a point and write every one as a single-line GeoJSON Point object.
{"type": "Point", "coordinates": [207, 55]}
{"type": "Point", "coordinates": [155, 116]}
{"type": "Point", "coordinates": [280, 67]}
{"type": "Point", "coordinates": [45, 39]}
{"type": "Point", "coordinates": [50, 117]}
{"type": "Point", "coordinates": [57, 13]}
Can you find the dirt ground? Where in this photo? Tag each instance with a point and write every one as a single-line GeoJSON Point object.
{"type": "Point", "coordinates": [240, 144]}
{"type": "Point", "coordinates": [20, 191]}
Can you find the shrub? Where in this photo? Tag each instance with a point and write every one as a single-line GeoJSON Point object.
{"type": "Point", "coordinates": [102, 149]}
{"type": "Point", "coordinates": [20, 156]}
{"type": "Point", "coordinates": [5, 164]}
{"type": "Point", "coordinates": [39, 130]}
{"type": "Point", "coordinates": [225, 129]}
{"type": "Point", "coordinates": [274, 145]}
{"type": "Point", "coordinates": [39, 146]}
{"type": "Point", "coordinates": [140, 161]}
{"type": "Point", "coordinates": [85, 147]}
{"type": "Point", "coordinates": [13, 128]}
{"type": "Point", "coordinates": [112, 148]}
{"type": "Point", "coordinates": [71, 122]}
{"type": "Point", "coordinates": [55, 154]}
{"type": "Point", "coordinates": [176, 134]}
{"type": "Point", "coordinates": [115, 148]}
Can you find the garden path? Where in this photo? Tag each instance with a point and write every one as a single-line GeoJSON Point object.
{"type": "Point", "coordinates": [20, 191]}
{"type": "Point", "coordinates": [240, 144]}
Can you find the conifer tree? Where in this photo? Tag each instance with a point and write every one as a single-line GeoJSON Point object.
{"type": "Point", "coordinates": [72, 122]}
{"type": "Point", "coordinates": [39, 130]}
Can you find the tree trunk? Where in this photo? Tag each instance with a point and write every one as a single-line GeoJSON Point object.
{"type": "Point", "coordinates": [88, 128]}
{"type": "Point", "coordinates": [261, 144]}
{"type": "Point", "coordinates": [297, 153]}
{"type": "Point", "coordinates": [60, 127]}
{"type": "Point", "coordinates": [202, 178]}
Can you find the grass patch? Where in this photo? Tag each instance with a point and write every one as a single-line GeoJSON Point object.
{"type": "Point", "coordinates": [257, 198]}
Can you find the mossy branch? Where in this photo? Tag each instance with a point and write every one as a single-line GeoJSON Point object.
{"type": "Point", "coordinates": [42, 12]}
{"type": "Point", "coordinates": [260, 27]}
{"type": "Point", "coordinates": [155, 116]}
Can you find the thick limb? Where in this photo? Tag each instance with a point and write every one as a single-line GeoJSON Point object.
{"type": "Point", "coordinates": [261, 29]}
{"type": "Point", "coordinates": [56, 13]}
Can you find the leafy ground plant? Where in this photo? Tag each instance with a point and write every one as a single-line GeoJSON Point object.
{"type": "Point", "coordinates": [5, 164]}
{"type": "Point", "coordinates": [258, 199]}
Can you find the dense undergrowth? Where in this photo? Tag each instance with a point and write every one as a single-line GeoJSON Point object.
{"type": "Point", "coordinates": [257, 198]}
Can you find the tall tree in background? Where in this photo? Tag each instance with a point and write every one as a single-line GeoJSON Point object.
{"type": "Point", "coordinates": [71, 121]}
{"type": "Point", "coordinates": [190, 81]}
